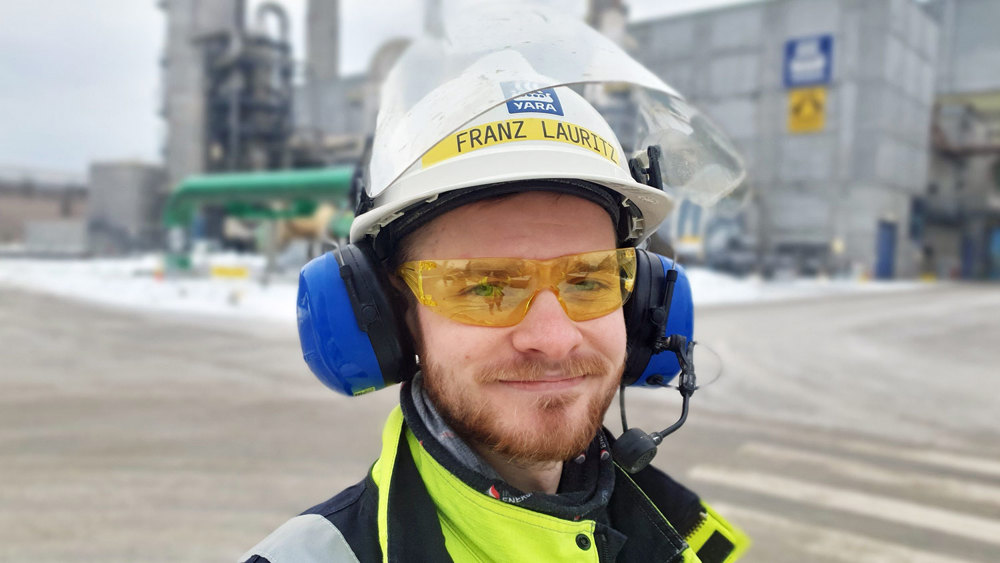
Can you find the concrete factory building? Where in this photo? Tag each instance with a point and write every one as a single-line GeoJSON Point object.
{"type": "Point", "coordinates": [42, 212]}
{"type": "Point", "coordinates": [870, 128]}
{"type": "Point", "coordinates": [830, 102]}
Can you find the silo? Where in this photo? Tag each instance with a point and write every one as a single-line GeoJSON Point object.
{"type": "Point", "coordinates": [183, 81]}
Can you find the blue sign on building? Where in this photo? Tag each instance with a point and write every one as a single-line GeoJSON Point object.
{"type": "Point", "coordinates": [808, 61]}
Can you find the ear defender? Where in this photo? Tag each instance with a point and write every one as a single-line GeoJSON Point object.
{"type": "Point", "coordinates": [655, 311]}
{"type": "Point", "coordinates": [355, 341]}
{"type": "Point", "coordinates": [352, 337]}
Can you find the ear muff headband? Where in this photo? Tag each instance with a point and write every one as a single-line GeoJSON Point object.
{"type": "Point", "coordinates": [355, 341]}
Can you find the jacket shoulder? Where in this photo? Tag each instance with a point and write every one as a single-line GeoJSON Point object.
{"type": "Point", "coordinates": [341, 529]}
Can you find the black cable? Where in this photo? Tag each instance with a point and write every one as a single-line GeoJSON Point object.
{"type": "Point", "coordinates": [621, 406]}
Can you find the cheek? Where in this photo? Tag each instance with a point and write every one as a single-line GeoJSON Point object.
{"type": "Point", "coordinates": [607, 336]}
{"type": "Point", "coordinates": [450, 343]}
{"type": "Point", "coordinates": [455, 344]}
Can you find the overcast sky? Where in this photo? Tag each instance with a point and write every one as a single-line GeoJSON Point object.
{"type": "Point", "coordinates": [79, 79]}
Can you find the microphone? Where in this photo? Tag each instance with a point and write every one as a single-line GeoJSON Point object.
{"type": "Point", "coordinates": [635, 449]}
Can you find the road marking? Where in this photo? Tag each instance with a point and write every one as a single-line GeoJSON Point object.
{"type": "Point", "coordinates": [989, 467]}
{"type": "Point", "coordinates": [949, 460]}
{"type": "Point", "coordinates": [870, 505]}
{"type": "Point", "coordinates": [942, 486]}
{"type": "Point", "coordinates": [833, 545]}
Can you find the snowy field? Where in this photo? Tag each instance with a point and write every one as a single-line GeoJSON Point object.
{"type": "Point", "coordinates": [139, 284]}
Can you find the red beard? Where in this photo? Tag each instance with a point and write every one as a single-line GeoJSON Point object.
{"type": "Point", "coordinates": [556, 434]}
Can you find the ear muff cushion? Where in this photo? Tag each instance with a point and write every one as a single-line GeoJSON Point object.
{"type": "Point", "coordinates": [651, 275]}
{"type": "Point", "coordinates": [638, 322]}
{"type": "Point", "coordinates": [378, 314]}
{"type": "Point", "coordinates": [333, 346]}
{"type": "Point", "coordinates": [348, 329]}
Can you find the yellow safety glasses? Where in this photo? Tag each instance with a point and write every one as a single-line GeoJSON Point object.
{"type": "Point", "coordinates": [499, 291]}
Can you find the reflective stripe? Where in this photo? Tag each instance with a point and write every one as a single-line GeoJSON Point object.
{"type": "Point", "coordinates": [382, 475]}
{"type": "Point", "coordinates": [304, 539]}
{"type": "Point", "coordinates": [713, 529]}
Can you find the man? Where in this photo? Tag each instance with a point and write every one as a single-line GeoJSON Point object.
{"type": "Point", "coordinates": [505, 252]}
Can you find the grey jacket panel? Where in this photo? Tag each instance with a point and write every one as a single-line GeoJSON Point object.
{"type": "Point", "coordinates": [309, 538]}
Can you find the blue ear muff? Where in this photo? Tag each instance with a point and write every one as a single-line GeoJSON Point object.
{"type": "Point", "coordinates": [351, 336]}
{"type": "Point", "coordinates": [643, 319]}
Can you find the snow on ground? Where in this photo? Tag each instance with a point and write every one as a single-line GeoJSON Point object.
{"type": "Point", "coordinates": [709, 287]}
{"type": "Point", "coordinates": [138, 283]}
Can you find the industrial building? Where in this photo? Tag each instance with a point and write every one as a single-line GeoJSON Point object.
{"type": "Point", "coordinates": [125, 207]}
{"type": "Point", "coordinates": [42, 212]}
{"type": "Point", "coordinates": [115, 209]}
{"type": "Point", "coordinates": [896, 173]}
{"type": "Point", "coordinates": [835, 192]}
{"type": "Point", "coordinates": [832, 102]}
{"type": "Point", "coordinates": [959, 214]}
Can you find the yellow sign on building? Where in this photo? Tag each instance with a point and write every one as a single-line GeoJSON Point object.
{"type": "Point", "coordinates": [806, 110]}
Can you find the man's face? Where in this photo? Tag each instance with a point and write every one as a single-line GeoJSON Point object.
{"type": "Point", "coordinates": [536, 391]}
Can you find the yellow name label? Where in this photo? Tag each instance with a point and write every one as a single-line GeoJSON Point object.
{"type": "Point", "coordinates": [513, 130]}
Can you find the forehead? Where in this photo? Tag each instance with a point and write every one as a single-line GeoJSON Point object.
{"type": "Point", "coordinates": [528, 225]}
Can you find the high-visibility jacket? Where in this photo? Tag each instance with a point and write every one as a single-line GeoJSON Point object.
{"type": "Point", "coordinates": [411, 508]}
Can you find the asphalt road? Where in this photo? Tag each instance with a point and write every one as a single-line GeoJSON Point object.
{"type": "Point", "coordinates": [846, 429]}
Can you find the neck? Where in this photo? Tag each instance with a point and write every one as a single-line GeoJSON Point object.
{"type": "Point", "coordinates": [529, 477]}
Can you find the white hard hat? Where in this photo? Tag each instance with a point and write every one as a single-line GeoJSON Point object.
{"type": "Point", "coordinates": [551, 135]}
{"type": "Point", "coordinates": [490, 105]}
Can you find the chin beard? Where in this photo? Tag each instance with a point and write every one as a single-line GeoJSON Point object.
{"type": "Point", "coordinates": [554, 434]}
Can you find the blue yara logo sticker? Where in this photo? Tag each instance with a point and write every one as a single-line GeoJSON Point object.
{"type": "Point", "coordinates": [544, 100]}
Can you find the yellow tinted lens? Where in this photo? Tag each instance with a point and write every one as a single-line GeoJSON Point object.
{"type": "Point", "coordinates": [481, 291]}
{"type": "Point", "coordinates": [498, 291]}
{"type": "Point", "coordinates": [596, 283]}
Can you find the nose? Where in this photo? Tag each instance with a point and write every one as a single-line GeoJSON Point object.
{"type": "Point", "coordinates": [546, 331]}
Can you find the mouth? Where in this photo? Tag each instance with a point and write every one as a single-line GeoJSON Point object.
{"type": "Point", "coordinates": [544, 384]}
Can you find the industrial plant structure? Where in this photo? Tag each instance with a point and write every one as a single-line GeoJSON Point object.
{"type": "Point", "coordinates": [871, 128]}
{"type": "Point", "coordinates": [833, 103]}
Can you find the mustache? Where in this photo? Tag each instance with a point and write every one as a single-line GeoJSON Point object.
{"type": "Point", "coordinates": [533, 370]}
